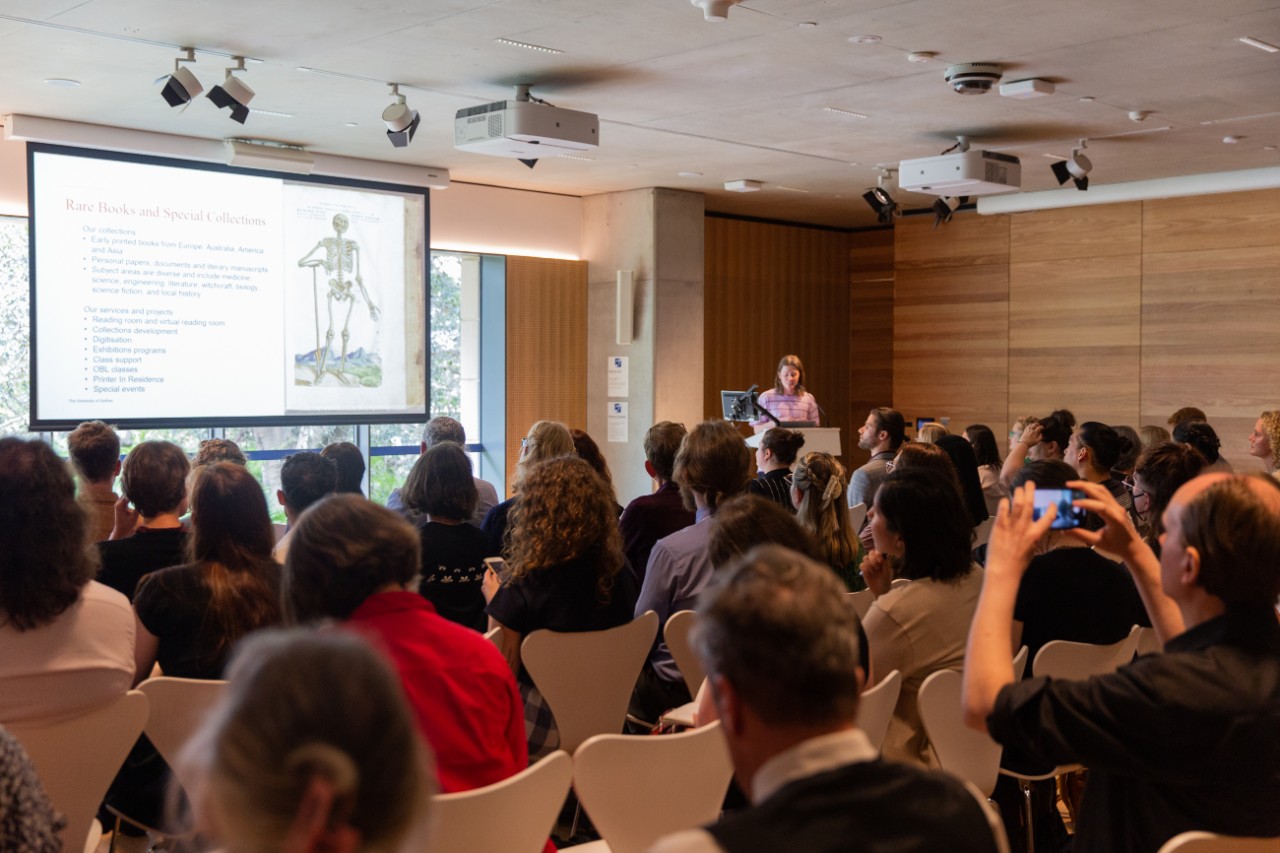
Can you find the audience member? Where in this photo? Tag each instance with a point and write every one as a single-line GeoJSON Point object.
{"type": "Point", "coordinates": [441, 492]}
{"type": "Point", "coordinates": [28, 823]}
{"type": "Point", "coordinates": [546, 440]}
{"type": "Point", "coordinates": [922, 534]}
{"type": "Point", "coordinates": [1093, 451]}
{"type": "Point", "coordinates": [817, 488]}
{"type": "Point", "coordinates": [149, 536]}
{"type": "Point", "coordinates": [1203, 438]}
{"type": "Point", "coordinates": [190, 616]}
{"type": "Point", "coordinates": [440, 429]}
{"type": "Point", "coordinates": [219, 450]}
{"type": "Point", "coordinates": [1152, 435]}
{"type": "Point", "coordinates": [930, 432]}
{"type": "Point", "coordinates": [1124, 465]}
{"type": "Point", "coordinates": [987, 455]}
{"type": "Point", "coordinates": [712, 466]}
{"type": "Point", "coordinates": [350, 462]}
{"type": "Point", "coordinates": [774, 457]}
{"type": "Point", "coordinates": [1186, 413]}
{"type": "Point", "coordinates": [66, 641]}
{"type": "Point", "coordinates": [311, 750]}
{"type": "Point", "coordinates": [1044, 438]}
{"type": "Point", "coordinates": [94, 449]}
{"type": "Point", "coordinates": [1210, 596]}
{"type": "Point", "coordinates": [1160, 472]}
{"type": "Point", "coordinates": [1019, 426]}
{"type": "Point", "coordinates": [931, 456]}
{"type": "Point", "coordinates": [648, 518]}
{"type": "Point", "coordinates": [1264, 441]}
{"type": "Point", "coordinates": [780, 647]}
{"type": "Point", "coordinates": [587, 449]}
{"type": "Point", "coordinates": [565, 573]}
{"type": "Point", "coordinates": [962, 457]}
{"type": "Point", "coordinates": [882, 434]}
{"type": "Point", "coordinates": [745, 521]}
{"type": "Point", "coordinates": [305, 478]}
{"type": "Point", "coordinates": [358, 562]}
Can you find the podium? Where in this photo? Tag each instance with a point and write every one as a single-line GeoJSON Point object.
{"type": "Point", "coordinates": [822, 439]}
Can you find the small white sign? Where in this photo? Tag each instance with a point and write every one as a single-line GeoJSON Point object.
{"type": "Point", "coordinates": [618, 422]}
{"type": "Point", "coordinates": [618, 376]}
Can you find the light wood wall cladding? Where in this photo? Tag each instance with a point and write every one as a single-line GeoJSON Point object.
{"type": "Point", "coordinates": [546, 346]}
{"type": "Point", "coordinates": [771, 290]}
{"type": "Point", "coordinates": [1232, 220]}
{"type": "Point", "coordinates": [951, 320]}
{"type": "Point", "coordinates": [870, 331]}
{"type": "Point", "coordinates": [1075, 312]}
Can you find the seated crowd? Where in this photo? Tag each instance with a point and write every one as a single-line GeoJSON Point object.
{"type": "Point", "coordinates": [362, 679]}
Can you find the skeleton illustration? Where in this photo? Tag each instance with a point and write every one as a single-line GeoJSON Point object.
{"type": "Point", "coordinates": [341, 261]}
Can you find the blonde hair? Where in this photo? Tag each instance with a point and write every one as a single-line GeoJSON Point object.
{"type": "Point", "coordinates": [930, 433]}
{"type": "Point", "coordinates": [302, 706]}
{"type": "Point", "coordinates": [821, 480]}
{"type": "Point", "coordinates": [1271, 426]}
{"type": "Point", "coordinates": [546, 440]}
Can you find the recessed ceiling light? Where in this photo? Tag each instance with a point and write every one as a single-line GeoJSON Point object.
{"type": "Point", "coordinates": [866, 39]}
{"type": "Point", "coordinates": [689, 174]}
{"type": "Point", "coordinates": [527, 46]}
{"type": "Point", "coordinates": [839, 111]}
{"type": "Point", "coordinates": [1231, 140]}
{"type": "Point", "coordinates": [921, 56]}
{"type": "Point", "coordinates": [1087, 99]}
{"type": "Point", "coordinates": [1055, 156]}
{"type": "Point", "coordinates": [577, 157]}
{"type": "Point", "coordinates": [791, 189]}
{"type": "Point", "coordinates": [807, 25]}
{"type": "Point", "coordinates": [1239, 118]}
{"type": "Point", "coordinates": [259, 112]}
{"type": "Point", "coordinates": [1259, 44]}
{"type": "Point", "coordinates": [62, 82]}
{"type": "Point", "coordinates": [349, 124]}
{"type": "Point", "coordinates": [1268, 148]}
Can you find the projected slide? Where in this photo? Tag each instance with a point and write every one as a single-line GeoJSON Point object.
{"type": "Point", "coordinates": [166, 293]}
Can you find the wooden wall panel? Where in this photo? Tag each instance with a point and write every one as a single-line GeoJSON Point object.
{"type": "Point", "coordinates": [772, 290]}
{"type": "Point", "coordinates": [546, 346]}
{"type": "Point", "coordinates": [870, 331]}
{"type": "Point", "coordinates": [1232, 220]}
{"type": "Point", "coordinates": [967, 240]}
{"type": "Point", "coordinates": [1074, 328]}
{"type": "Point", "coordinates": [1211, 337]}
{"type": "Point", "coordinates": [1076, 232]}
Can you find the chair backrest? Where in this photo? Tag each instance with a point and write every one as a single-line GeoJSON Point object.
{"type": "Point", "coordinates": [1208, 842]}
{"type": "Point", "coordinates": [992, 814]}
{"type": "Point", "coordinates": [857, 515]}
{"type": "Point", "coordinates": [1020, 663]}
{"type": "Point", "coordinates": [1149, 642]}
{"type": "Point", "coordinates": [982, 533]}
{"type": "Point", "coordinates": [1076, 661]}
{"type": "Point", "coordinates": [492, 636]}
{"type": "Point", "coordinates": [961, 751]}
{"type": "Point", "coordinates": [638, 789]}
{"type": "Point", "coordinates": [78, 757]}
{"type": "Point", "coordinates": [178, 707]}
{"type": "Point", "coordinates": [515, 815]}
{"type": "Point", "coordinates": [862, 600]}
{"type": "Point", "coordinates": [587, 677]}
{"type": "Point", "coordinates": [676, 635]}
{"type": "Point", "coordinates": [875, 707]}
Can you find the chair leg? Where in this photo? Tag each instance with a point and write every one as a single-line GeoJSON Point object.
{"type": "Point", "coordinates": [1026, 813]}
{"type": "Point", "coordinates": [577, 813]}
{"type": "Point", "coordinates": [115, 833]}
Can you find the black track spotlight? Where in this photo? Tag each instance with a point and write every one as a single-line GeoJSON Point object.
{"type": "Point", "coordinates": [1075, 169]}
{"type": "Point", "coordinates": [233, 93]}
{"type": "Point", "coordinates": [946, 205]}
{"type": "Point", "coordinates": [181, 86]}
{"type": "Point", "coordinates": [881, 202]}
{"type": "Point", "coordinates": [401, 121]}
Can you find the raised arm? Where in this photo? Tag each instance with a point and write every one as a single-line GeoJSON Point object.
{"type": "Point", "coordinates": [1018, 454]}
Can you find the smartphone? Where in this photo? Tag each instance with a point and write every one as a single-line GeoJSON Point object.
{"type": "Point", "coordinates": [499, 567]}
{"type": "Point", "coordinates": [1068, 516]}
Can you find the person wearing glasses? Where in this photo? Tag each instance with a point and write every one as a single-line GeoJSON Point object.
{"type": "Point", "coordinates": [1161, 471]}
{"type": "Point", "coordinates": [546, 440]}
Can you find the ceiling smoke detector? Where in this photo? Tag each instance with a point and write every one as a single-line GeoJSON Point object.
{"type": "Point", "coordinates": [973, 78]}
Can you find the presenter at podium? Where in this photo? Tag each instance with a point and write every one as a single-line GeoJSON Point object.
{"type": "Point", "coordinates": [788, 401]}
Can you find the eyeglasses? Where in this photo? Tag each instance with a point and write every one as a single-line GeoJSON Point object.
{"type": "Point", "coordinates": [1134, 490]}
{"type": "Point", "coordinates": [889, 466]}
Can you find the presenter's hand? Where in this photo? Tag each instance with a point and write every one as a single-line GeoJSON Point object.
{"type": "Point", "coordinates": [877, 571]}
{"type": "Point", "coordinates": [125, 521]}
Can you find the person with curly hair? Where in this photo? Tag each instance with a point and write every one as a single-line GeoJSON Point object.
{"type": "Point", "coordinates": [817, 491]}
{"type": "Point", "coordinates": [546, 440]}
{"type": "Point", "coordinates": [564, 573]}
{"type": "Point", "coordinates": [1264, 441]}
{"type": "Point", "coordinates": [66, 641]}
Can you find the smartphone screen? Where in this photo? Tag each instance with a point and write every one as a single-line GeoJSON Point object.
{"type": "Point", "coordinates": [499, 567]}
{"type": "Point", "coordinates": [1068, 516]}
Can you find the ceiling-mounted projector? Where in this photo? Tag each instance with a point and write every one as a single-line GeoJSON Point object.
{"type": "Point", "coordinates": [961, 173]}
{"type": "Point", "coordinates": [524, 129]}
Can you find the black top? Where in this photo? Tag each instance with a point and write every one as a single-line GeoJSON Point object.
{"type": "Point", "coordinates": [452, 571]}
{"type": "Point", "coordinates": [1173, 742]}
{"type": "Point", "coordinates": [495, 525]}
{"type": "Point", "coordinates": [564, 598]}
{"type": "Point", "coordinates": [1076, 594]}
{"type": "Point", "coordinates": [869, 806]}
{"type": "Point", "coordinates": [125, 561]}
{"type": "Point", "coordinates": [774, 486]}
{"type": "Point", "coordinates": [649, 518]}
{"type": "Point", "coordinates": [174, 605]}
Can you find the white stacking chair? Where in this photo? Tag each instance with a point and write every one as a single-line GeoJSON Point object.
{"type": "Point", "coordinates": [1078, 661]}
{"type": "Point", "coordinates": [875, 708]}
{"type": "Point", "coordinates": [1148, 642]}
{"type": "Point", "coordinates": [1208, 842]}
{"type": "Point", "coordinates": [76, 759]}
{"type": "Point", "coordinates": [862, 600]}
{"type": "Point", "coordinates": [857, 515]}
{"type": "Point", "coordinates": [638, 789]}
{"type": "Point", "coordinates": [982, 533]}
{"type": "Point", "coordinates": [515, 815]}
{"type": "Point", "coordinates": [493, 635]}
{"type": "Point", "coordinates": [587, 677]}
{"type": "Point", "coordinates": [961, 751]}
{"type": "Point", "coordinates": [676, 634]}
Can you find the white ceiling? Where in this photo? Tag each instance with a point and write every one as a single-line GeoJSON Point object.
{"type": "Point", "coordinates": [732, 100]}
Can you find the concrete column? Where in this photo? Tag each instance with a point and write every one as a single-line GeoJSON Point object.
{"type": "Point", "coordinates": [658, 234]}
